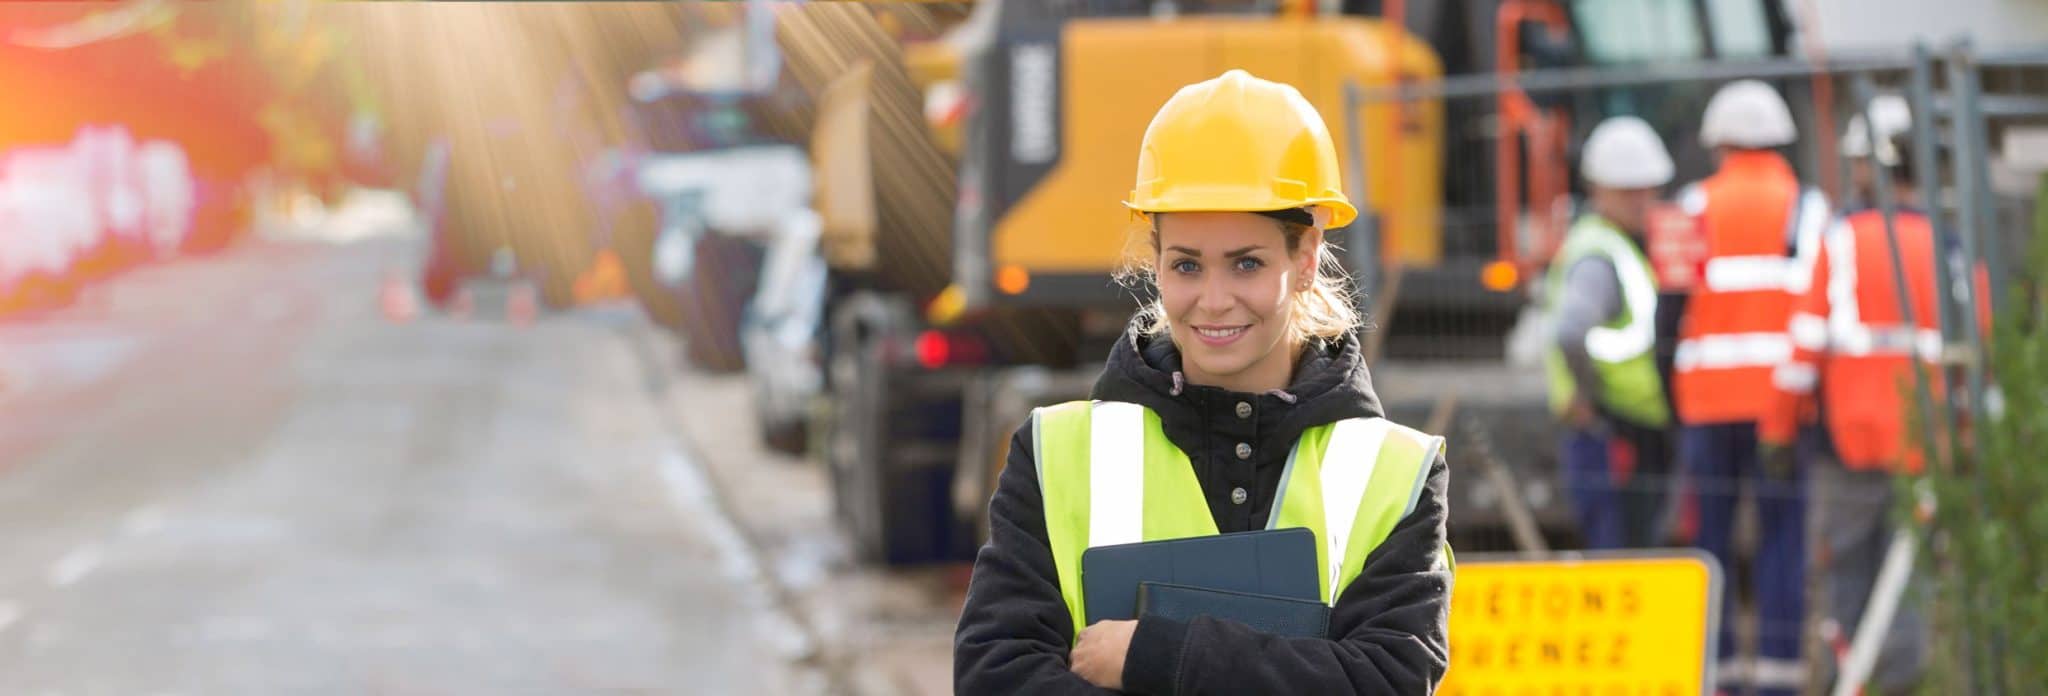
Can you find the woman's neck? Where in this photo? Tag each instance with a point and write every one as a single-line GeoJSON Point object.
{"type": "Point", "coordinates": [1274, 371]}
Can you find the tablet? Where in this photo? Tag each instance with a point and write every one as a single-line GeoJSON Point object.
{"type": "Point", "coordinates": [1277, 562]}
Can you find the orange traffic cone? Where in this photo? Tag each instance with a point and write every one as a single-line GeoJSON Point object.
{"type": "Point", "coordinates": [522, 305]}
{"type": "Point", "coordinates": [397, 300]}
{"type": "Point", "coordinates": [605, 279]}
{"type": "Point", "coordinates": [461, 307]}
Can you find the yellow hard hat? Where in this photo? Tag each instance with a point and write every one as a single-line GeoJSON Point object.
{"type": "Point", "coordinates": [1239, 143]}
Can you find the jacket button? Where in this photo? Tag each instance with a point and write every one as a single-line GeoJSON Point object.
{"type": "Point", "coordinates": [1244, 410]}
{"type": "Point", "coordinates": [1238, 496]}
{"type": "Point", "coordinates": [1244, 451]}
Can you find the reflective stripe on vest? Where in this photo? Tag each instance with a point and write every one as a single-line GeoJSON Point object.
{"type": "Point", "coordinates": [1846, 332]}
{"type": "Point", "coordinates": [1722, 351]}
{"type": "Point", "coordinates": [1804, 223]}
{"type": "Point", "coordinates": [1621, 348]}
{"type": "Point", "coordinates": [1810, 217]}
{"type": "Point", "coordinates": [1108, 475]}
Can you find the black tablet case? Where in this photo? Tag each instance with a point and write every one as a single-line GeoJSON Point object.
{"type": "Point", "coordinates": [1277, 562]}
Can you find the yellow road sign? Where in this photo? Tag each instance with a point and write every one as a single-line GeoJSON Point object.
{"type": "Point", "coordinates": [1595, 625]}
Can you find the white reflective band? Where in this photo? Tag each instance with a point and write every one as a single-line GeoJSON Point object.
{"type": "Point", "coordinates": [1719, 351]}
{"type": "Point", "coordinates": [1809, 331]}
{"type": "Point", "coordinates": [1748, 273]}
{"type": "Point", "coordinates": [1771, 673]}
{"type": "Point", "coordinates": [1348, 461]}
{"type": "Point", "coordinates": [1927, 344]}
{"type": "Point", "coordinates": [1116, 474]}
{"type": "Point", "coordinates": [1813, 218]}
{"type": "Point", "coordinates": [1613, 345]}
{"type": "Point", "coordinates": [1886, 340]}
{"type": "Point", "coordinates": [1731, 673]}
{"type": "Point", "coordinates": [1797, 378]}
{"type": "Point", "coordinates": [1843, 312]}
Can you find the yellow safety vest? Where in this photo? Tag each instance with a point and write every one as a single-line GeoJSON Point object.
{"type": "Point", "coordinates": [1109, 475]}
{"type": "Point", "coordinates": [1622, 348]}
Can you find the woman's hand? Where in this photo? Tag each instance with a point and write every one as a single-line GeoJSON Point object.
{"type": "Point", "coordinates": [1099, 654]}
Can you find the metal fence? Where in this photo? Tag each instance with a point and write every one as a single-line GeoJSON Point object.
{"type": "Point", "coordinates": [1508, 492]}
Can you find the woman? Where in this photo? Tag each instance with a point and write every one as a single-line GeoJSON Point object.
{"type": "Point", "coordinates": [1248, 384]}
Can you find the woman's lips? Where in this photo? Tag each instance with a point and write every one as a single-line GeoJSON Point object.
{"type": "Point", "coordinates": [1220, 335]}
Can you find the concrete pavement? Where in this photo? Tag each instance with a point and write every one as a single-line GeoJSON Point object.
{"type": "Point", "coordinates": [233, 475]}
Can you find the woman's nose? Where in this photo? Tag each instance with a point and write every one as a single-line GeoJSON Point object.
{"type": "Point", "coordinates": [1215, 295]}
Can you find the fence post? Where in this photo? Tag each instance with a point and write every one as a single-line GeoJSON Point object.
{"type": "Point", "coordinates": [1365, 248]}
{"type": "Point", "coordinates": [1971, 174]}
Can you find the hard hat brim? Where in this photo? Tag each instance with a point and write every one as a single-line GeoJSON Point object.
{"type": "Point", "coordinates": [1341, 212]}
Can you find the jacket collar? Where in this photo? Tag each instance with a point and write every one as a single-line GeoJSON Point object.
{"type": "Point", "coordinates": [1330, 383]}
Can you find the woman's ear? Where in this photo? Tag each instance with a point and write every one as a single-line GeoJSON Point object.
{"type": "Point", "coordinates": [1310, 256]}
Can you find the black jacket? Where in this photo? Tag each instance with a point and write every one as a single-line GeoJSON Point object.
{"type": "Point", "coordinates": [1015, 632]}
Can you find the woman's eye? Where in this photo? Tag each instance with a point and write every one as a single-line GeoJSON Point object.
{"type": "Point", "coordinates": [1186, 266]}
{"type": "Point", "coordinates": [1249, 264]}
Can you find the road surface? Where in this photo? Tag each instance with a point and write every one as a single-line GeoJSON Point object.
{"type": "Point", "coordinates": [237, 475]}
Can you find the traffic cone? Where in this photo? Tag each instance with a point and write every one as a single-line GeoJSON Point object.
{"type": "Point", "coordinates": [521, 305]}
{"type": "Point", "coordinates": [461, 307]}
{"type": "Point", "coordinates": [397, 300]}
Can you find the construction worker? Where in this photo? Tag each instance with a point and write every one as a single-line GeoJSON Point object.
{"type": "Point", "coordinates": [1239, 400]}
{"type": "Point", "coordinates": [1890, 113]}
{"type": "Point", "coordinates": [1755, 217]}
{"type": "Point", "coordinates": [1851, 338]}
{"type": "Point", "coordinates": [1603, 373]}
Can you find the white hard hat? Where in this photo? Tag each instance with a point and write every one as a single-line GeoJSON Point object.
{"type": "Point", "coordinates": [1892, 116]}
{"type": "Point", "coordinates": [1625, 153]}
{"type": "Point", "coordinates": [1747, 113]}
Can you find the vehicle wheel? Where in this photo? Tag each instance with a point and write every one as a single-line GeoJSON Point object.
{"type": "Point", "coordinates": [853, 447]}
{"type": "Point", "coordinates": [887, 446]}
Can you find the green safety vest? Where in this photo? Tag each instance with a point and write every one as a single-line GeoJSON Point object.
{"type": "Point", "coordinates": [1622, 348]}
{"type": "Point", "coordinates": [1109, 475]}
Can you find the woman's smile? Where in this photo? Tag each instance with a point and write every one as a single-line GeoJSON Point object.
{"type": "Point", "coordinates": [1220, 335]}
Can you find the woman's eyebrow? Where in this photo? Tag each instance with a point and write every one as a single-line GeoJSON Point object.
{"type": "Point", "coordinates": [1234, 253]}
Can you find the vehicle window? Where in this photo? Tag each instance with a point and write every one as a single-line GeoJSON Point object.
{"type": "Point", "coordinates": [1740, 29]}
{"type": "Point", "coordinates": [1633, 31]}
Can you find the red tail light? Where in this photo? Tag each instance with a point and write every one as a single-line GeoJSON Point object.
{"type": "Point", "coordinates": [933, 348]}
{"type": "Point", "coordinates": [937, 348]}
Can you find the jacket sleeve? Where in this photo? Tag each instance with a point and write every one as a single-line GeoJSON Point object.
{"type": "Point", "coordinates": [1794, 380]}
{"type": "Point", "coordinates": [1391, 619]}
{"type": "Point", "coordinates": [1591, 297]}
{"type": "Point", "coordinates": [1015, 632]}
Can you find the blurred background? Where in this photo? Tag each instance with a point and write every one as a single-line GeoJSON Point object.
{"type": "Point", "coordinates": [413, 347]}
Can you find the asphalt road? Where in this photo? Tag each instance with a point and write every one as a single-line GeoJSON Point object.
{"type": "Point", "coordinates": [236, 475]}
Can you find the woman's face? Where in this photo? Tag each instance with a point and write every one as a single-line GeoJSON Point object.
{"type": "Point", "coordinates": [1226, 282]}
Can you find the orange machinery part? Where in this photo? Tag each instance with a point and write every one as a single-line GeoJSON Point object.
{"type": "Point", "coordinates": [1519, 117]}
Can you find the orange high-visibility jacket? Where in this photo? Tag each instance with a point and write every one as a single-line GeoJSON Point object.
{"type": "Point", "coordinates": [1756, 220]}
{"type": "Point", "coordinates": [1849, 334]}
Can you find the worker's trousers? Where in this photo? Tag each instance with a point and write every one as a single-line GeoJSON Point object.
{"type": "Point", "coordinates": [1615, 476]}
{"type": "Point", "coordinates": [1852, 514]}
{"type": "Point", "coordinates": [1721, 464]}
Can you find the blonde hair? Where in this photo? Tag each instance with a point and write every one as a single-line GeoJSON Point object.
{"type": "Point", "coordinates": [1323, 312]}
